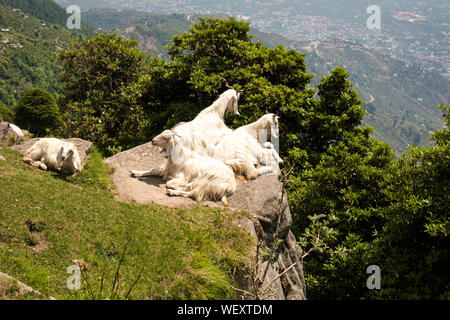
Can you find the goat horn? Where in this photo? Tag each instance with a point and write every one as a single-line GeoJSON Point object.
{"type": "Point", "coordinates": [230, 87]}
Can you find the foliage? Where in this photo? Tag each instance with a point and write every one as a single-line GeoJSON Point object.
{"type": "Point", "coordinates": [400, 108]}
{"type": "Point", "coordinates": [37, 112]}
{"type": "Point", "coordinates": [6, 114]}
{"type": "Point", "coordinates": [46, 10]}
{"type": "Point", "coordinates": [414, 243]}
{"type": "Point", "coordinates": [28, 60]}
{"type": "Point", "coordinates": [376, 211]}
{"type": "Point", "coordinates": [216, 52]}
{"type": "Point", "coordinates": [99, 96]}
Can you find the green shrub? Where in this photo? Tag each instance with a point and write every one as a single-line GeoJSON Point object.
{"type": "Point", "coordinates": [37, 112]}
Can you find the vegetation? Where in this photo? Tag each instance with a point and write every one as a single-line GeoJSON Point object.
{"type": "Point", "coordinates": [27, 59]}
{"type": "Point", "coordinates": [37, 112]}
{"type": "Point", "coordinates": [354, 204]}
{"type": "Point", "coordinates": [184, 254]}
{"type": "Point", "coordinates": [367, 209]}
{"type": "Point", "coordinates": [6, 114]}
{"type": "Point", "coordinates": [99, 93]}
{"type": "Point", "coordinates": [401, 108]}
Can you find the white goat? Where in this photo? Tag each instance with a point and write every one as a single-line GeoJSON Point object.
{"type": "Point", "coordinates": [267, 123]}
{"type": "Point", "coordinates": [200, 134]}
{"type": "Point", "coordinates": [242, 151]}
{"type": "Point", "coordinates": [192, 175]}
{"type": "Point", "coordinates": [55, 154]}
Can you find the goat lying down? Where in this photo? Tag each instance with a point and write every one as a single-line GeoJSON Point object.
{"type": "Point", "coordinates": [189, 174]}
{"type": "Point", "coordinates": [54, 154]}
{"type": "Point", "coordinates": [242, 151]}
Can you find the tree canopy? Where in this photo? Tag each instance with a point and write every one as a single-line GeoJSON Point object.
{"type": "Point", "coordinates": [37, 112]}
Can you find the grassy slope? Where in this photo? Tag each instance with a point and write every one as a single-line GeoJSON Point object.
{"type": "Point", "coordinates": [46, 221]}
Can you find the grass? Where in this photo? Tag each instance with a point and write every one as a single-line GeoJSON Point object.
{"type": "Point", "coordinates": [46, 221]}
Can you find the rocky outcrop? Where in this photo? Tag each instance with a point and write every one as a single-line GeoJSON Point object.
{"type": "Point", "coordinates": [10, 134]}
{"type": "Point", "coordinates": [11, 288]}
{"type": "Point", "coordinates": [260, 197]}
{"type": "Point", "coordinates": [83, 147]}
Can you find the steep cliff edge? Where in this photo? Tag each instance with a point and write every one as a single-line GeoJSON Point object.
{"type": "Point", "coordinates": [260, 197]}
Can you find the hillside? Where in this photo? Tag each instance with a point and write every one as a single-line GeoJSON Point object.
{"type": "Point", "coordinates": [173, 253]}
{"type": "Point", "coordinates": [400, 99]}
{"type": "Point", "coordinates": [28, 50]}
{"type": "Point", "coordinates": [46, 10]}
{"type": "Point", "coordinates": [152, 31]}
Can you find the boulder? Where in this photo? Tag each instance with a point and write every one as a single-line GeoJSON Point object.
{"type": "Point", "coordinates": [260, 197]}
{"type": "Point", "coordinates": [10, 134]}
{"type": "Point", "coordinates": [83, 147]}
{"type": "Point", "coordinates": [11, 288]}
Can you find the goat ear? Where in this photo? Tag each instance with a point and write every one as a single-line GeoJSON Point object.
{"type": "Point", "coordinates": [167, 134]}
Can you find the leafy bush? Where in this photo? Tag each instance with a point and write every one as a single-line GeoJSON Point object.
{"type": "Point", "coordinates": [37, 112]}
{"type": "Point", "coordinates": [376, 211]}
{"type": "Point", "coordinates": [6, 114]}
{"type": "Point", "coordinates": [100, 90]}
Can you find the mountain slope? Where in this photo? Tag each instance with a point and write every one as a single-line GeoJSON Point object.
{"type": "Point", "coordinates": [42, 9]}
{"type": "Point", "coordinates": [28, 50]}
{"type": "Point", "coordinates": [400, 99]}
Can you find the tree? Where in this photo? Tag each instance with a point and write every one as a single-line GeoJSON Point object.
{"type": "Point", "coordinates": [414, 244]}
{"type": "Point", "coordinates": [365, 208]}
{"type": "Point", "coordinates": [6, 114]}
{"type": "Point", "coordinates": [99, 94]}
{"type": "Point", "coordinates": [216, 54]}
{"type": "Point", "coordinates": [37, 112]}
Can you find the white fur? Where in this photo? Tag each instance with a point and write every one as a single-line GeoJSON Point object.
{"type": "Point", "coordinates": [199, 135]}
{"type": "Point", "coordinates": [192, 175]}
{"type": "Point", "coordinates": [55, 154]}
{"type": "Point", "coordinates": [242, 151]}
{"type": "Point", "coordinates": [268, 124]}
{"type": "Point", "coordinates": [202, 133]}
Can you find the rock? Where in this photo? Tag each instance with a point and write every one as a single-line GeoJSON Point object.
{"type": "Point", "coordinates": [11, 288]}
{"type": "Point", "coordinates": [83, 147]}
{"type": "Point", "coordinates": [261, 197]}
{"type": "Point", "coordinates": [10, 134]}
{"type": "Point", "coordinates": [2, 158]}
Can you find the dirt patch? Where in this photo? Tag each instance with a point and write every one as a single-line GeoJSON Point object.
{"type": "Point", "coordinates": [36, 240]}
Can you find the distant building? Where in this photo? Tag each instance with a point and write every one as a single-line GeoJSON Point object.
{"type": "Point", "coordinates": [4, 30]}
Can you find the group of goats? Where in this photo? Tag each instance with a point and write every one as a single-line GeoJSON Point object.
{"type": "Point", "coordinates": [204, 155]}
